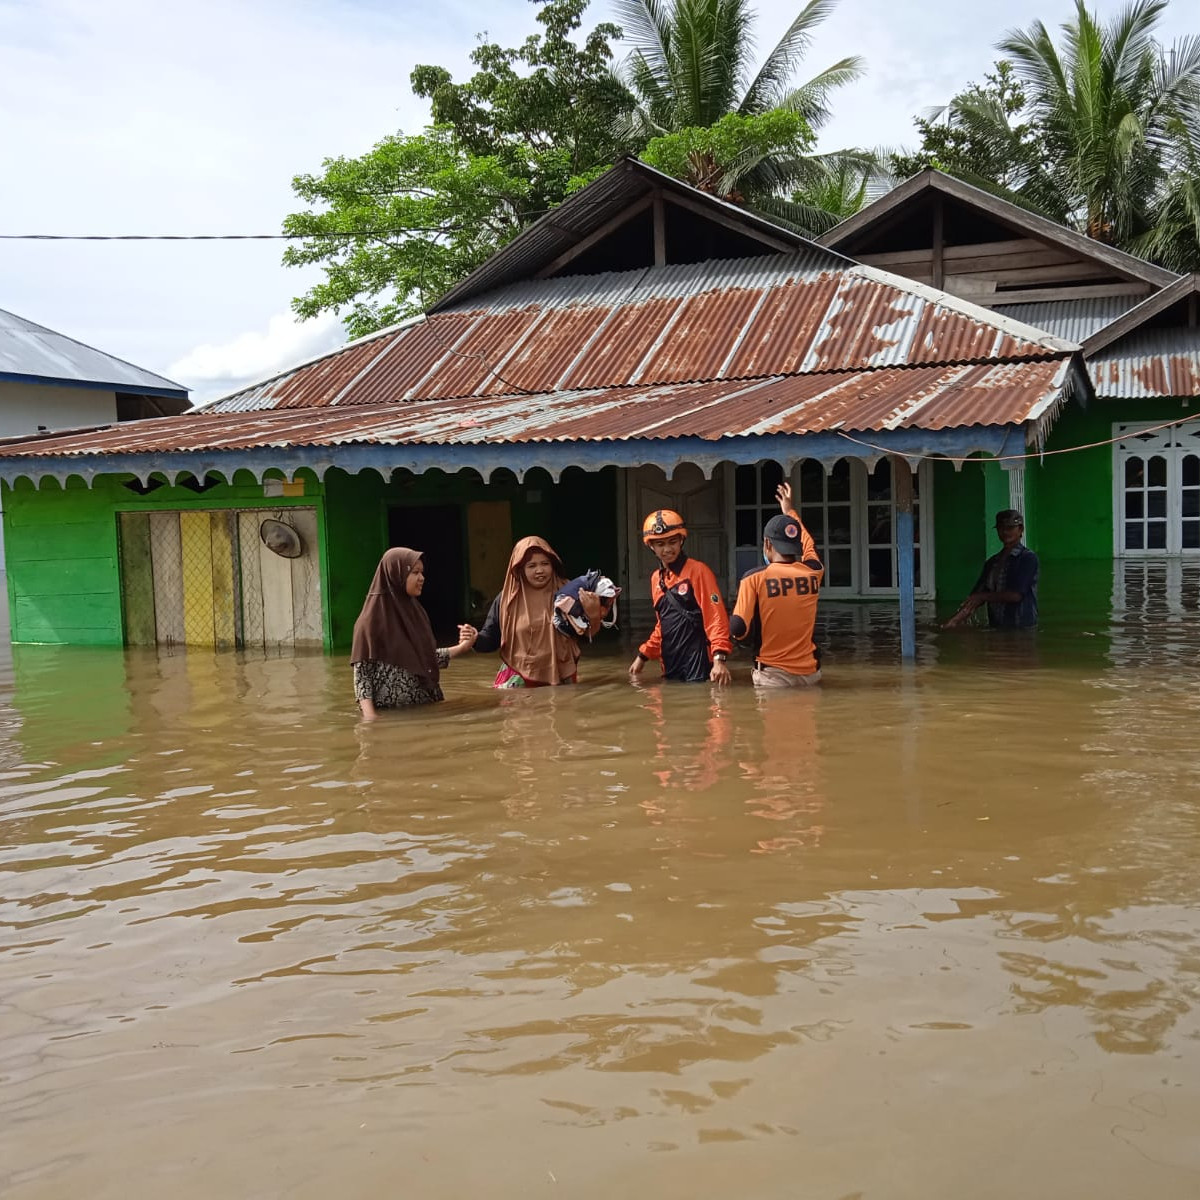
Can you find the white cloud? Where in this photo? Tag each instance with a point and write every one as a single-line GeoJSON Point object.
{"type": "Point", "coordinates": [214, 370]}
{"type": "Point", "coordinates": [135, 116]}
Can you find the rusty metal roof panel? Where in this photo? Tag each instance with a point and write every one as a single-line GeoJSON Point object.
{"type": "Point", "coordinates": [1148, 364]}
{"type": "Point", "coordinates": [933, 397]}
{"type": "Point", "coordinates": [712, 320]}
{"type": "Point", "coordinates": [410, 357]}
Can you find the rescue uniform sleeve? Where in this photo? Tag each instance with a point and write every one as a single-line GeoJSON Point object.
{"type": "Point", "coordinates": [743, 610]}
{"type": "Point", "coordinates": [652, 646]}
{"type": "Point", "coordinates": [712, 609]}
{"type": "Point", "coordinates": [808, 548]}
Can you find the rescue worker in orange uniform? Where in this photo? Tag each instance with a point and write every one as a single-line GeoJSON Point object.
{"type": "Point", "coordinates": [777, 604]}
{"type": "Point", "coordinates": [691, 626]}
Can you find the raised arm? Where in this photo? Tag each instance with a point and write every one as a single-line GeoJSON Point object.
{"type": "Point", "coordinates": [808, 548]}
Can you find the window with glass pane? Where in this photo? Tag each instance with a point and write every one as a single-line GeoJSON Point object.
{"type": "Point", "coordinates": [882, 569]}
{"type": "Point", "coordinates": [826, 508]}
{"type": "Point", "coordinates": [1157, 484]}
{"type": "Point", "coordinates": [754, 503]}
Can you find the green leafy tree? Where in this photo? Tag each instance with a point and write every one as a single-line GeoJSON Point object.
{"type": "Point", "coordinates": [979, 136]}
{"type": "Point", "coordinates": [1099, 132]}
{"type": "Point", "coordinates": [396, 227]}
{"type": "Point", "coordinates": [692, 64]}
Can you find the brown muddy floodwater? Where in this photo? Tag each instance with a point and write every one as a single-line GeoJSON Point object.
{"type": "Point", "coordinates": [923, 934]}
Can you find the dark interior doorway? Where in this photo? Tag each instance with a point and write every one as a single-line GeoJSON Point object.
{"type": "Point", "coordinates": [437, 531]}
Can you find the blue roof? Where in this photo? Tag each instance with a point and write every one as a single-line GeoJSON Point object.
{"type": "Point", "coordinates": [32, 353]}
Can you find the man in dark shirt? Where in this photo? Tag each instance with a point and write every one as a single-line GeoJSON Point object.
{"type": "Point", "coordinates": [1008, 582]}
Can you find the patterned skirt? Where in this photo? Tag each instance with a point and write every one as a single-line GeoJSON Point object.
{"type": "Point", "coordinates": [389, 686]}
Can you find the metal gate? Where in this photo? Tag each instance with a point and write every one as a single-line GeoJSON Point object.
{"type": "Point", "coordinates": [206, 578]}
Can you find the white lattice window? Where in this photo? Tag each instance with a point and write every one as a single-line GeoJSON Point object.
{"type": "Point", "coordinates": [1156, 490]}
{"type": "Point", "coordinates": [850, 512]}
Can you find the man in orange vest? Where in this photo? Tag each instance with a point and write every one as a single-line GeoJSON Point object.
{"type": "Point", "coordinates": [691, 626]}
{"type": "Point", "coordinates": [777, 603]}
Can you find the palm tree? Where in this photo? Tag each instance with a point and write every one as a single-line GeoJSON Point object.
{"type": "Point", "coordinates": [692, 64]}
{"type": "Point", "coordinates": [1111, 107]}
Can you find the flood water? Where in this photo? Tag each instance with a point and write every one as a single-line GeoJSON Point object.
{"type": "Point", "coordinates": [925, 933]}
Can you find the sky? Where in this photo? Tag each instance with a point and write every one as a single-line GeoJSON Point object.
{"type": "Point", "coordinates": [144, 117]}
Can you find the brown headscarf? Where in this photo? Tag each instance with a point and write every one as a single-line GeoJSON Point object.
{"type": "Point", "coordinates": [528, 641]}
{"type": "Point", "coordinates": [393, 626]}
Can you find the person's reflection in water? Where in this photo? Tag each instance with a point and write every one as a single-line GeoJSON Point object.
{"type": "Point", "coordinates": [786, 771]}
{"type": "Point", "coordinates": [688, 756]}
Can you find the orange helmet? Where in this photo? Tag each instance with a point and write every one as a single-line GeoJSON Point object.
{"type": "Point", "coordinates": [664, 523]}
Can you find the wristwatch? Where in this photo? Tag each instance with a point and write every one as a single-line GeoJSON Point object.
{"type": "Point", "coordinates": [719, 656]}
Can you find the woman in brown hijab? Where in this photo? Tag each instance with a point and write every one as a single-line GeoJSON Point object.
{"type": "Point", "coordinates": [520, 622]}
{"type": "Point", "coordinates": [395, 658]}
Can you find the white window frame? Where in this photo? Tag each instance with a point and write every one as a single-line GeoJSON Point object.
{"type": "Point", "coordinates": [858, 589]}
{"type": "Point", "coordinates": [1146, 440]}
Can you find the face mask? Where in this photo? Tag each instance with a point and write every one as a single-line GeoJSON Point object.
{"type": "Point", "coordinates": [766, 559]}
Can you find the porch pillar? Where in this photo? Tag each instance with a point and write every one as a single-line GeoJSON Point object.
{"type": "Point", "coordinates": [902, 483]}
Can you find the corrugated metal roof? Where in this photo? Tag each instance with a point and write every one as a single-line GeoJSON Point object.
{"type": "Point", "coordinates": [739, 319]}
{"type": "Point", "coordinates": [1147, 364]}
{"type": "Point", "coordinates": [1075, 320]}
{"type": "Point", "coordinates": [31, 351]}
{"type": "Point", "coordinates": [934, 397]}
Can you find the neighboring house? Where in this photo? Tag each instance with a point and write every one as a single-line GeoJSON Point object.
{"type": "Point", "coordinates": [50, 382]}
{"type": "Point", "coordinates": [1136, 492]}
{"type": "Point", "coordinates": [644, 345]}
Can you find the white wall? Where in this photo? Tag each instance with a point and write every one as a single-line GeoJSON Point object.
{"type": "Point", "coordinates": [25, 406]}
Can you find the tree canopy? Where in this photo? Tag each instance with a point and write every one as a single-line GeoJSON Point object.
{"type": "Point", "coordinates": [742, 132]}
{"type": "Point", "coordinates": [1100, 131]}
{"type": "Point", "coordinates": [394, 228]}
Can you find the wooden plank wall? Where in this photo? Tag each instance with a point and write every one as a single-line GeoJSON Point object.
{"type": "Point", "coordinates": [1019, 270]}
{"type": "Point", "coordinates": [167, 551]}
{"type": "Point", "coordinates": [137, 573]}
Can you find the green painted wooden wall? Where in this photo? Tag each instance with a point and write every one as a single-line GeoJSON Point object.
{"type": "Point", "coordinates": [63, 552]}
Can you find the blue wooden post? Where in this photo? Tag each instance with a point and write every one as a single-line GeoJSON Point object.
{"type": "Point", "coordinates": [902, 484]}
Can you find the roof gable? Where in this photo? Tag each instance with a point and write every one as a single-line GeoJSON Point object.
{"type": "Point", "coordinates": [32, 353]}
{"type": "Point", "coordinates": [943, 231]}
{"type": "Point", "coordinates": [632, 216]}
{"type": "Point", "coordinates": [1175, 307]}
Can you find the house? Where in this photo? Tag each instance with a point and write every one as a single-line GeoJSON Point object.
{"type": "Point", "coordinates": [1131, 492]}
{"type": "Point", "coordinates": [643, 345]}
{"type": "Point", "coordinates": [51, 382]}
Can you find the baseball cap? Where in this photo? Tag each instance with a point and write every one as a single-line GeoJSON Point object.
{"type": "Point", "coordinates": [784, 533]}
{"type": "Point", "coordinates": [1006, 518]}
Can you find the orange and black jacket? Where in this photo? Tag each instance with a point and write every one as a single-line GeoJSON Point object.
{"type": "Point", "coordinates": [690, 620]}
{"type": "Point", "coordinates": [776, 609]}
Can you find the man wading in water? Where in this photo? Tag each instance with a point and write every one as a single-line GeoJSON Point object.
{"type": "Point", "coordinates": [1008, 582]}
{"type": "Point", "coordinates": [691, 626]}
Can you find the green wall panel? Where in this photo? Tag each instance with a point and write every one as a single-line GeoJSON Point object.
{"type": "Point", "coordinates": [63, 555]}
{"type": "Point", "coordinates": [958, 502]}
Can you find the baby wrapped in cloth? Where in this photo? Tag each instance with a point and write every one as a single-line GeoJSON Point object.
{"type": "Point", "coordinates": [586, 604]}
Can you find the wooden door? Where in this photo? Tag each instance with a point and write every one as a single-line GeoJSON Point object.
{"type": "Point", "coordinates": [701, 503]}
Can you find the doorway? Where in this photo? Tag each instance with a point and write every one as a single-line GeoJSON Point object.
{"type": "Point", "coordinates": [437, 531]}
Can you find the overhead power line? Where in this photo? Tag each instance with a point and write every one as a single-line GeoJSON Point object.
{"type": "Point", "coordinates": [208, 237]}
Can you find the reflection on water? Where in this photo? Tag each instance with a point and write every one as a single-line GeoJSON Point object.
{"type": "Point", "coordinates": [924, 933]}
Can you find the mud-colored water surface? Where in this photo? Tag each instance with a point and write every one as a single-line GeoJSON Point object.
{"type": "Point", "coordinates": [925, 933]}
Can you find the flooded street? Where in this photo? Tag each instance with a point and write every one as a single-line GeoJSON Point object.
{"type": "Point", "coordinates": [925, 933]}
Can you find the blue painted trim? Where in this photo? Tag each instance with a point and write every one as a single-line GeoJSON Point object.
{"type": "Point", "coordinates": [905, 571]}
{"type": "Point", "coordinates": [126, 389]}
{"type": "Point", "coordinates": [520, 457]}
